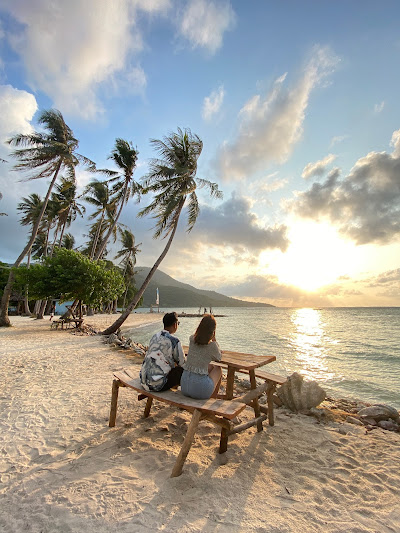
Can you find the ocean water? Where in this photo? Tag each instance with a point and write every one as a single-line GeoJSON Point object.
{"type": "Point", "coordinates": [350, 352]}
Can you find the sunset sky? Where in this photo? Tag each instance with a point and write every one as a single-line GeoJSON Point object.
{"type": "Point", "coordinates": [297, 103]}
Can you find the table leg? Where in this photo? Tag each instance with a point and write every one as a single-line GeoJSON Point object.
{"type": "Point", "coordinates": [256, 405]}
{"type": "Point", "coordinates": [229, 383]}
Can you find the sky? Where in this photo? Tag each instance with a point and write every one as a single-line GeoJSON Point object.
{"type": "Point", "coordinates": [296, 104]}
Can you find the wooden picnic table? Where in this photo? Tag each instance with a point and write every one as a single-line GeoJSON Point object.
{"type": "Point", "coordinates": [247, 363]}
{"type": "Point", "coordinates": [221, 411]}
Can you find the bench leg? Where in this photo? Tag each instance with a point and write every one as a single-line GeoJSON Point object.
{"type": "Point", "coordinates": [223, 443]}
{"type": "Point", "coordinates": [148, 407]}
{"type": "Point", "coordinates": [114, 403]}
{"type": "Point", "coordinates": [187, 443]}
{"type": "Point", "coordinates": [256, 405]}
{"type": "Point", "coordinates": [270, 403]}
{"type": "Point", "coordinates": [230, 378]}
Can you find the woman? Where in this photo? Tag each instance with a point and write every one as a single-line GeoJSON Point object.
{"type": "Point", "coordinates": [200, 379]}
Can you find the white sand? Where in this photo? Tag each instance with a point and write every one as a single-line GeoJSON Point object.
{"type": "Point", "coordinates": [63, 470]}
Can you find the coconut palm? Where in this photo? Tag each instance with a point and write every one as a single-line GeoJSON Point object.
{"type": "Point", "coordinates": [40, 248]}
{"type": "Point", "coordinates": [69, 207]}
{"type": "Point", "coordinates": [124, 156]}
{"type": "Point", "coordinates": [46, 154]}
{"type": "Point", "coordinates": [128, 254]}
{"type": "Point", "coordinates": [30, 208]}
{"type": "Point", "coordinates": [172, 179]}
{"type": "Point", "coordinates": [98, 194]}
{"type": "Point", "coordinates": [68, 241]}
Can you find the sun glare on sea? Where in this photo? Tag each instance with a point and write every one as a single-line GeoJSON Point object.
{"type": "Point", "coordinates": [316, 256]}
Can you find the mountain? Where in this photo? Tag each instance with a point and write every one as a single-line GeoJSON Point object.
{"type": "Point", "coordinates": [173, 293]}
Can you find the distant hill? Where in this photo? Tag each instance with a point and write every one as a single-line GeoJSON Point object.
{"type": "Point", "coordinates": [173, 293]}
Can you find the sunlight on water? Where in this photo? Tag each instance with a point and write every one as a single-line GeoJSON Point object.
{"type": "Point", "coordinates": [309, 343]}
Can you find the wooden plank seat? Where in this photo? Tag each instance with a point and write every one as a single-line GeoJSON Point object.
{"type": "Point", "coordinates": [217, 411]}
{"type": "Point", "coordinates": [273, 380]}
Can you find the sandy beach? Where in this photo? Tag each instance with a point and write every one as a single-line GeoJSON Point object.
{"type": "Point", "coordinates": [62, 469]}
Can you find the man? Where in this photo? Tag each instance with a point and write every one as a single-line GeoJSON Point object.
{"type": "Point", "coordinates": [162, 365]}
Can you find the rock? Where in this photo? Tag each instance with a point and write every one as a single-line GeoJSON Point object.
{"type": "Point", "coordinates": [369, 421]}
{"type": "Point", "coordinates": [354, 420]}
{"type": "Point", "coordinates": [379, 412]}
{"type": "Point", "coordinates": [389, 425]}
{"type": "Point", "coordinates": [298, 395]}
{"type": "Point", "coordinates": [277, 400]}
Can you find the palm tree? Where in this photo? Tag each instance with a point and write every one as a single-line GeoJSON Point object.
{"type": "Point", "coordinates": [68, 241]}
{"type": "Point", "coordinates": [97, 193]}
{"type": "Point", "coordinates": [124, 156]}
{"type": "Point", "coordinates": [40, 248]}
{"type": "Point", "coordinates": [47, 153]}
{"type": "Point", "coordinates": [69, 208]}
{"type": "Point", "coordinates": [172, 179]}
{"type": "Point", "coordinates": [128, 255]}
{"type": "Point", "coordinates": [30, 208]}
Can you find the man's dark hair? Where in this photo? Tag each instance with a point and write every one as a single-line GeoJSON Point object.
{"type": "Point", "coordinates": [169, 319]}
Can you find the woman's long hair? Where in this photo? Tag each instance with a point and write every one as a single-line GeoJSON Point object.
{"type": "Point", "coordinates": [205, 330]}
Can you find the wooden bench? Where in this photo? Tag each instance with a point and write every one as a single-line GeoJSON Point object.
{"type": "Point", "coordinates": [217, 411]}
{"type": "Point", "coordinates": [67, 322]}
{"type": "Point", "coordinates": [273, 381]}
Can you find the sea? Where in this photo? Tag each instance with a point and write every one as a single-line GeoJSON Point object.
{"type": "Point", "coordinates": [352, 352]}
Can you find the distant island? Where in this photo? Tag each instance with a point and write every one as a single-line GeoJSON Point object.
{"type": "Point", "coordinates": [175, 294]}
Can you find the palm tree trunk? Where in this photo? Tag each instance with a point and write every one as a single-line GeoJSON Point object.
{"type": "Point", "coordinates": [27, 311]}
{"type": "Point", "coordinates": [96, 237]}
{"type": "Point", "coordinates": [5, 300]}
{"type": "Point", "coordinates": [63, 228]}
{"type": "Point", "coordinates": [54, 240]}
{"type": "Point", "coordinates": [103, 245]}
{"type": "Point", "coordinates": [118, 323]}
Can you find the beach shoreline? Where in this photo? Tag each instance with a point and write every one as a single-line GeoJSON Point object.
{"type": "Point", "coordinates": [63, 469]}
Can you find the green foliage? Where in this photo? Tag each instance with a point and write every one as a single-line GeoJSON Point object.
{"type": "Point", "coordinates": [4, 272]}
{"type": "Point", "coordinates": [70, 275]}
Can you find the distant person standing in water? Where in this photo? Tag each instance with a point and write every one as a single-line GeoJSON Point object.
{"type": "Point", "coordinates": [162, 365]}
{"type": "Point", "coordinates": [200, 378]}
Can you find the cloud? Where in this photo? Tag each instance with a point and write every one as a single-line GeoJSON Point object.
{"type": "Point", "coordinates": [70, 48]}
{"type": "Point", "coordinates": [232, 224]}
{"type": "Point", "coordinates": [318, 168]}
{"type": "Point", "coordinates": [338, 139]}
{"type": "Point", "coordinates": [268, 288]}
{"type": "Point", "coordinates": [204, 22]}
{"type": "Point", "coordinates": [16, 111]}
{"type": "Point", "coordinates": [379, 107]}
{"type": "Point", "coordinates": [365, 204]}
{"type": "Point", "coordinates": [212, 104]}
{"type": "Point", "coordinates": [270, 126]}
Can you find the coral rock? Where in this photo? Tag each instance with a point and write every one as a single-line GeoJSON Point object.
{"type": "Point", "coordinates": [299, 395]}
{"type": "Point", "coordinates": [379, 412]}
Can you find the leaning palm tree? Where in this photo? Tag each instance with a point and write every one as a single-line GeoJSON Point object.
{"type": "Point", "coordinates": [172, 179]}
{"type": "Point", "coordinates": [124, 156]}
{"type": "Point", "coordinates": [45, 153]}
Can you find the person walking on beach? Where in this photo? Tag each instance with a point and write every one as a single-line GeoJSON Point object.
{"type": "Point", "coordinates": [52, 311]}
{"type": "Point", "coordinates": [162, 365]}
{"type": "Point", "coordinates": [200, 378]}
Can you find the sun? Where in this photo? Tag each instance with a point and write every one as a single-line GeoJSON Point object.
{"type": "Point", "coordinates": [316, 256]}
